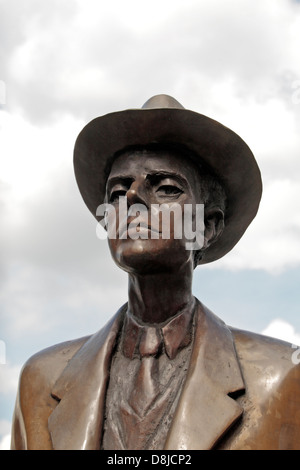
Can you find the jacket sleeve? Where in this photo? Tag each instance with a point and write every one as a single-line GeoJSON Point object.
{"type": "Point", "coordinates": [34, 401]}
{"type": "Point", "coordinates": [32, 409]}
{"type": "Point", "coordinates": [18, 433]}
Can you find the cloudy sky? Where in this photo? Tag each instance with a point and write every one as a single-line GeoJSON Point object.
{"type": "Point", "coordinates": [64, 62]}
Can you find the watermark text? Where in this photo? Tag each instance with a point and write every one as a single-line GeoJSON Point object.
{"type": "Point", "coordinates": [296, 354]}
{"type": "Point", "coordinates": [163, 221]}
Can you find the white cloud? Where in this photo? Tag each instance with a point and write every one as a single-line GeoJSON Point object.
{"type": "Point", "coordinates": [5, 436]}
{"type": "Point", "coordinates": [64, 63]}
{"type": "Point", "coordinates": [223, 62]}
{"type": "Point", "coordinates": [5, 442]}
{"type": "Point", "coordinates": [33, 156]}
{"type": "Point", "coordinates": [88, 57]}
{"type": "Point", "coordinates": [281, 329]}
{"type": "Point", "coordinates": [272, 242]}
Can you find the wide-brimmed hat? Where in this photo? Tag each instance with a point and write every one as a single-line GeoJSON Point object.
{"type": "Point", "coordinates": [162, 120]}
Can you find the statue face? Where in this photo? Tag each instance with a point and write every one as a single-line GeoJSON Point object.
{"type": "Point", "coordinates": [147, 179]}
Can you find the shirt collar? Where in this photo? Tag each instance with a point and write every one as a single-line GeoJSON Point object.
{"type": "Point", "coordinates": [144, 340]}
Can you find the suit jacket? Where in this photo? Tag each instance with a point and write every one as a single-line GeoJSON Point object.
{"type": "Point", "coordinates": [242, 391]}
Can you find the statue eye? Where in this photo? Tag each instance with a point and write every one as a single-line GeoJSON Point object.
{"type": "Point", "coordinates": [115, 195]}
{"type": "Point", "coordinates": [169, 190]}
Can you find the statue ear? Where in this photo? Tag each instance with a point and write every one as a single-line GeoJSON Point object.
{"type": "Point", "coordinates": [214, 225]}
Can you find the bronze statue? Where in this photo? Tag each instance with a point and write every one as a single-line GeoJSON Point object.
{"type": "Point", "coordinates": [165, 372]}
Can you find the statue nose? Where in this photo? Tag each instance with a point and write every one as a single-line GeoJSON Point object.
{"type": "Point", "coordinates": [136, 194]}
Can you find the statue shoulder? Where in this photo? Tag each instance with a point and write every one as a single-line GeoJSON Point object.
{"type": "Point", "coordinates": [34, 402]}
{"type": "Point", "coordinates": [36, 397]}
{"type": "Point", "coordinates": [43, 368]}
{"type": "Point", "coordinates": [274, 359]}
{"type": "Point", "coordinates": [256, 343]}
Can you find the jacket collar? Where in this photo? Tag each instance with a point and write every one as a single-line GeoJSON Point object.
{"type": "Point", "coordinates": [138, 338]}
{"type": "Point", "coordinates": [204, 412]}
{"type": "Point", "coordinates": [77, 420]}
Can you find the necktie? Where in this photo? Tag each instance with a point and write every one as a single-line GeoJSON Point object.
{"type": "Point", "coordinates": [146, 383]}
{"type": "Point", "coordinates": [146, 379]}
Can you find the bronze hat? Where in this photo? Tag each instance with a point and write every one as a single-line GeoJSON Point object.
{"type": "Point", "coordinates": [163, 120]}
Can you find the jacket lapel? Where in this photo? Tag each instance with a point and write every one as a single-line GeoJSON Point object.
{"type": "Point", "coordinates": [204, 413]}
{"type": "Point", "coordinates": [76, 422]}
{"type": "Point", "coordinates": [205, 410]}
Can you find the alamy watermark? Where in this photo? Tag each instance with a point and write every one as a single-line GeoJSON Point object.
{"type": "Point", "coordinates": [296, 354]}
{"type": "Point", "coordinates": [2, 92]}
{"type": "Point", "coordinates": [163, 221]}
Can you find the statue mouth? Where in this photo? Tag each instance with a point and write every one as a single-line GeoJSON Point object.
{"type": "Point", "coordinates": [136, 227]}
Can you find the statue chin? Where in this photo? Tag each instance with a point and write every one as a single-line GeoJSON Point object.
{"type": "Point", "coordinates": [149, 256]}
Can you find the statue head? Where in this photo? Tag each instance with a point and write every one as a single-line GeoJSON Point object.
{"type": "Point", "coordinates": [163, 188]}
{"type": "Point", "coordinates": [165, 154]}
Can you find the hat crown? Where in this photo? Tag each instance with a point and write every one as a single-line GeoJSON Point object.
{"type": "Point", "coordinates": [162, 101]}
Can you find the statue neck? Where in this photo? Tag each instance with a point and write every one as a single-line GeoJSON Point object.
{"type": "Point", "coordinates": [156, 298]}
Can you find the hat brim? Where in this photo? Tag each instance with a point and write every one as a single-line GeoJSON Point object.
{"type": "Point", "coordinates": [223, 150]}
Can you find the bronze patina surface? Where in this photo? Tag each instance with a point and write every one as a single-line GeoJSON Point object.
{"type": "Point", "coordinates": [165, 372]}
